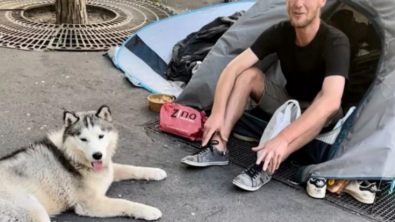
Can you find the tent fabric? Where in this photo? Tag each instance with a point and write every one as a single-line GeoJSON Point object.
{"type": "Point", "coordinates": [240, 36]}
{"type": "Point", "coordinates": [194, 48]}
{"type": "Point", "coordinates": [145, 56]}
{"type": "Point", "coordinates": [364, 148]}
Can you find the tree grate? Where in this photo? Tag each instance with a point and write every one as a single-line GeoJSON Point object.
{"type": "Point", "coordinates": [240, 154]}
{"type": "Point", "coordinates": [19, 32]}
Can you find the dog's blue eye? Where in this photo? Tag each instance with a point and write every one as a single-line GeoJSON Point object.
{"type": "Point", "coordinates": [83, 139]}
{"type": "Point", "coordinates": [101, 136]}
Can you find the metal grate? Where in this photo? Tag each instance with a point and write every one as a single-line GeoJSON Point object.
{"type": "Point", "coordinates": [17, 31]}
{"type": "Point", "coordinates": [382, 210]}
{"type": "Point", "coordinates": [240, 154]}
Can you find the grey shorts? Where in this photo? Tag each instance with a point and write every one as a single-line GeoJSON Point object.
{"type": "Point", "coordinates": [274, 96]}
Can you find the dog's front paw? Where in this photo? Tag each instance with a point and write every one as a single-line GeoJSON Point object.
{"type": "Point", "coordinates": [148, 213]}
{"type": "Point", "coordinates": [158, 174]}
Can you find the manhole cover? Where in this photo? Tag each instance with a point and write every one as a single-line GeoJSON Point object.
{"type": "Point", "coordinates": [17, 30]}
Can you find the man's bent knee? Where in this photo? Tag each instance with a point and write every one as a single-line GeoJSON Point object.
{"type": "Point", "coordinates": [253, 79]}
{"type": "Point", "coordinates": [251, 75]}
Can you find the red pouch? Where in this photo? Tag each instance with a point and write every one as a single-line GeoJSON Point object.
{"type": "Point", "coordinates": [182, 121]}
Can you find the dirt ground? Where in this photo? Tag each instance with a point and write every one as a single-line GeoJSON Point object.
{"type": "Point", "coordinates": [96, 15]}
{"type": "Point", "coordinates": [48, 15]}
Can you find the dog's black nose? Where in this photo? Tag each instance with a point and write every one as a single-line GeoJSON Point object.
{"type": "Point", "coordinates": [97, 156]}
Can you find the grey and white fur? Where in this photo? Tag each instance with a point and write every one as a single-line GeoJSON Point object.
{"type": "Point", "coordinates": [71, 169]}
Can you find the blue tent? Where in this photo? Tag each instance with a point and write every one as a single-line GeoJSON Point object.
{"type": "Point", "coordinates": [144, 57]}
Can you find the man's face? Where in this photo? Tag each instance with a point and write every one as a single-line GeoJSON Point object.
{"type": "Point", "coordinates": [303, 12]}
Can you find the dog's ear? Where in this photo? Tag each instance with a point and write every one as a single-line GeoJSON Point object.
{"type": "Point", "coordinates": [69, 118]}
{"type": "Point", "coordinates": [104, 113]}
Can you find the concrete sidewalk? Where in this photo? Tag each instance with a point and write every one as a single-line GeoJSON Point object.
{"type": "Point", "coordinates": [35, 88]}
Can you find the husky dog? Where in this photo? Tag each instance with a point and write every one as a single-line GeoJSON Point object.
{"type": "Point", "coordinates": [71, 169]}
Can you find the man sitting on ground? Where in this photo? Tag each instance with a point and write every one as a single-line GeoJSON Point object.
{"type": "Point", "coordinates": [315, 60]}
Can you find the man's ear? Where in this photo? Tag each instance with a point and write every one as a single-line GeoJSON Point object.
{"type": "Point", "coordinates": [69, 118]}
{"type": "Point", "coordinates": [323, 2]}
{"type": "Point", "coordinates": [104, 113]}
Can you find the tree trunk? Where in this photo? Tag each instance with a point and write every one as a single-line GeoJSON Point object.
{"type": "Point", "coordinates": [71, 12]}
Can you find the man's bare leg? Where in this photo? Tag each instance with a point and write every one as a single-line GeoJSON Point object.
{"type": "Point", "coordinates": [249, 84]}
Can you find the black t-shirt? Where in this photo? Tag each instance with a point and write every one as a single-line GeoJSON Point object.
{"type": "Point", "coordinates": [305, 68]}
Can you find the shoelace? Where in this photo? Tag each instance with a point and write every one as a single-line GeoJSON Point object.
{"type": "Point", "coordinates": [371, 186]}
{"type": "Point", "coordinates": [254, 171]}
{"type": "Point", "coordinates": [209, 147]}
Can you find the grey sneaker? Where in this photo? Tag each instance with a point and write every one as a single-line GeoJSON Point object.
{"type": "Point", "coordinates": [207, 156]}
{"type": "Point", "coordinates": [252, 178]}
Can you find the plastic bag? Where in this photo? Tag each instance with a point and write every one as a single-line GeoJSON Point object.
{"type": "Point", "coordinates": [182, 121]}
{"type": "Point", "coordinates": [283, 117]}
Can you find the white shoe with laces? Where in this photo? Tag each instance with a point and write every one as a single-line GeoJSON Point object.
{"type": "Point", "coordinates": [362, 191]}
{"type": "Point", "coordinates": [316, 188]}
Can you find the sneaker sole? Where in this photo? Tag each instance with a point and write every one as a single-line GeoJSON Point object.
{"type": "Point", "coordinates": [313, 194]}
{"type": "Point", "coordinates": [362, 200]}
{"type": "Point", "coordinates": [244, 187]}
{"type": "Point", "coordinates": [245, 138]}
{"type": "Point", "coordinates": [190, 163]}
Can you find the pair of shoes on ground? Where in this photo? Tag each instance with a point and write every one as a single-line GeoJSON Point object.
{"type": "Point", "coordinates": [254, 177]}
{"type": "Point", "coordinates": [362, 191]}
{"type": "Point", "coordinates": [250, 179]}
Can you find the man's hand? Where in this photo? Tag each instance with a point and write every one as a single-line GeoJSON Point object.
{"type": "Point", "coordinates": [307, 126]}
{"type": "Point", "coordinates": [272, 153]}
{"type": "Point", "coordinates": [214, 124]}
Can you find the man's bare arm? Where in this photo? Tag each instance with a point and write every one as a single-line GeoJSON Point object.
{"type": "Point", "coordinates": [228, 78]}
{"type": "Point", "coordinates": [326, 104]}
{"type": "Point", "coordinates": [305, 128]}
